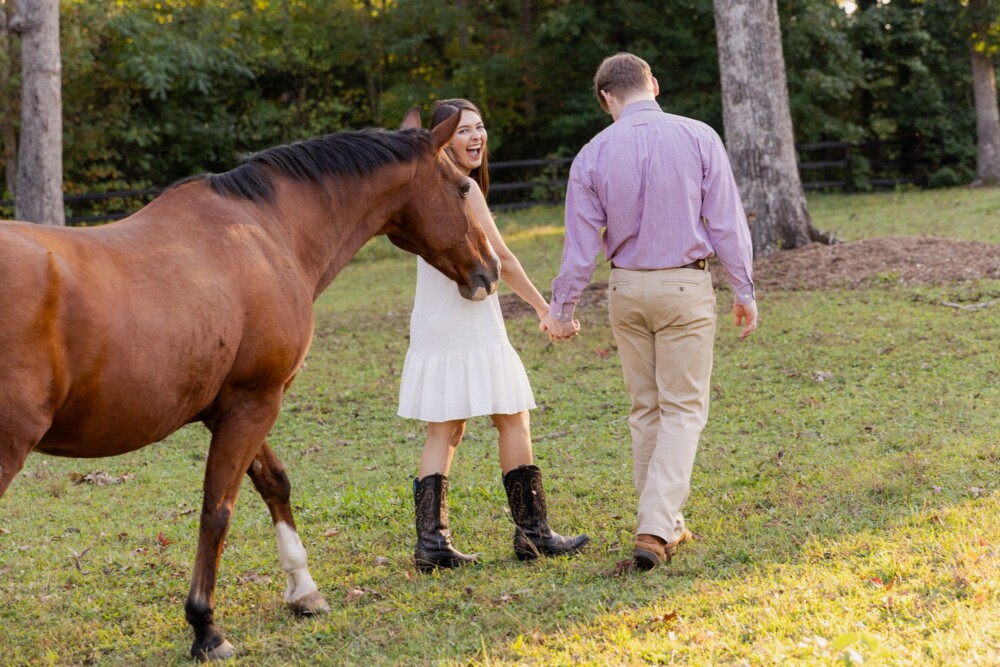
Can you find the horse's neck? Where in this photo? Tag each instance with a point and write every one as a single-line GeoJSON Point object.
{"type": "Point", "coordinates": [327, 226]}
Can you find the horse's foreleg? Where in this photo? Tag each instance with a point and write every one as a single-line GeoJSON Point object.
{"type": "Point", "coordinates": [268, 476]}
{"type": "Point", "coordinates": [236, 439]}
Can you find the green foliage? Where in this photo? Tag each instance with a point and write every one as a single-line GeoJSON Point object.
{"type": "Point", "coordinates": [155, 90]}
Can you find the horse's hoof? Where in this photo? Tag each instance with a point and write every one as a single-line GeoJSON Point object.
{"type": "Point", "coordinates": [220, 652]}
{"type": "Point", "coordinates": [310, 604]}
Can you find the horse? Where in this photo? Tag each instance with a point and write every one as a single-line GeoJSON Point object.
{"type": "Point", "coordinates": [199, 307]}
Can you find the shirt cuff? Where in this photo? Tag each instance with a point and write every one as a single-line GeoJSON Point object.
{"type": "Point", "coordinates": [744, 295]}
{"type": "Point", "coordinates": [562, 311]}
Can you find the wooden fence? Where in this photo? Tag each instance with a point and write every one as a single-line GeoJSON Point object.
{"type": "Point", "coordinates": [833, 165]}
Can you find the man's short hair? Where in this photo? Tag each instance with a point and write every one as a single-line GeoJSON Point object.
{"type": "Point", "coordinates": [620, 74]}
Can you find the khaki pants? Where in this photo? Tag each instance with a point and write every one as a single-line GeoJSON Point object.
{"type": "Point", "coordinates": [664, 324]}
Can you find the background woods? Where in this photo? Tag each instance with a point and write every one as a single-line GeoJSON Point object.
{"type": "Point", "coordinates": [156, 90]}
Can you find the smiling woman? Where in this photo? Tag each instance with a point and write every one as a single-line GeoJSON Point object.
{"type": "Point", "coordinates": [460, 365]}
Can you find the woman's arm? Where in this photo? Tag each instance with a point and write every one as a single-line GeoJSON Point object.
{"type": "Point", "coordinates": [511, 271]}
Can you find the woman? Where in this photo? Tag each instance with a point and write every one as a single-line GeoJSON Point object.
{"type": "Point", "coordinates": [460, 365]}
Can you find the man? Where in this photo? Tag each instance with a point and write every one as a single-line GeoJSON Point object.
{"type": "Point", "coordinates": [661, 189]}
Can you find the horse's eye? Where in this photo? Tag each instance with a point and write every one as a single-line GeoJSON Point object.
{"type": "Point", "coordinates": [464, 189]}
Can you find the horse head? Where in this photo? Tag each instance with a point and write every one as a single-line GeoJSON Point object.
{"type": "Point", "coordinates": [437, 224]}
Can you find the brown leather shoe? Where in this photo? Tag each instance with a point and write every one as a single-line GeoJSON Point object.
{"type": "Point", "coordinates": [651, 550]}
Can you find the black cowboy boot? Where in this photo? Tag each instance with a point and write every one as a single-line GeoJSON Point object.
{"type": "Point", "coordinates": [533, 537]}
{"type": "Point", "coordinates": [434, 546]}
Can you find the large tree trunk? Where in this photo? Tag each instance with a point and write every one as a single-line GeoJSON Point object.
{"type": "Point", "coordinates": [758, 124]}
{"type": "Point", "coordinates": [39, 169]}
{"type": "Point", "coordinates": [984, 88]}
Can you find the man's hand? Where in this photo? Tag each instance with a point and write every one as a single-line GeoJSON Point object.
{"type": "Point", "coordinates": [746, 312]}
{"type": "Point", "coordinates": [558, 330]}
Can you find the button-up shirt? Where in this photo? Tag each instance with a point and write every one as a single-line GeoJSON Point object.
{"type": "Point", "coordinates": [661, 188]}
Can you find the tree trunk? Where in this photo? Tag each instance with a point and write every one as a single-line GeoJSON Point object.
{"type": "Point", "coordinates": [10, 108]}
{"type": "Point", "coordinates": [758, 124]}
{"type": "Point", "coordinates": [984, 89]}
{"type": "Point", "coordinates": [39, 169]}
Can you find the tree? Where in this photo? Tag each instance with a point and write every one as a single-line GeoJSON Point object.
{"type": "Point", "coordinates": [758, 125]}
{"type": "Point", "coordinates": [39, 168]}
{"type": "Point", "coordinates": [984, 88]}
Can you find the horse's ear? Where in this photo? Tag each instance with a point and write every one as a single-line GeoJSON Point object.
{"type": "Point", "coordinates": [445, 129]}
{"type": "Point", "coordinates": [411, 118]}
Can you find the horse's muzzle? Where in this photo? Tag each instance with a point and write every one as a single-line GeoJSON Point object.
{"type": "Point", "coordinates": [483, 283]}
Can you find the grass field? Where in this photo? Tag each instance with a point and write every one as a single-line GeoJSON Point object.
{"type": "Point", "coordinates": [845, 495]}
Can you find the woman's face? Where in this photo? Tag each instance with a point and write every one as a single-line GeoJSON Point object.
{"type": "Point", "coordinates": [468, 144]}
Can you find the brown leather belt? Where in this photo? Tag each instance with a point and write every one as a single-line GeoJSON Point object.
{"type": "Point", "coordinates": [698, 265]}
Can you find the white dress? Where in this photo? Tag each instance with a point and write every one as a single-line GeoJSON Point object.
{"type": "Point", "coordinates": [460, 363]}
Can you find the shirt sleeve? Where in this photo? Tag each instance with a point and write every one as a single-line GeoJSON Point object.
{"type": "Point", "coordinates": [725, 220]}
{"type": "Point", "coordinates": [585, 220]}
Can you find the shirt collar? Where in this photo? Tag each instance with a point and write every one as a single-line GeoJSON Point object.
{"type": "Point", "coordinates": [641, 105]}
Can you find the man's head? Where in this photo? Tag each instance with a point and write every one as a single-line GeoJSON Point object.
{"type": "Point", "coordinates": [623, 76]}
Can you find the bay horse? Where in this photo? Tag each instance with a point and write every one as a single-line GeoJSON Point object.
{"type": "Point", "coordinates": [199, 307]}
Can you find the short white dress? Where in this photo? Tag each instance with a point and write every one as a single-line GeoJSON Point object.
{"type": "Point", "coordinates": [460, 363]}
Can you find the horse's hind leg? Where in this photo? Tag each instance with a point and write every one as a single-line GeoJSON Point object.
{"type": "Point", "coordinates": [13, 453]}
{"type": "Point", "coordinates": [268, 476]}
{"type": "Point", "coordinates": [236, 439]}
{"type": "Point", "coordinates": [15, 445]}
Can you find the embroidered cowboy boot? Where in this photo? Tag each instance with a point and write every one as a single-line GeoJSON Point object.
{"type": "Point", "coordinates": [434, 545]}
{"type": "Point", "coordinates": [532, 536]}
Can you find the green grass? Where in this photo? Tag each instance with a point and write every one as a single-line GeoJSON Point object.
{"type": "Point", "coordinates": [844, 497]}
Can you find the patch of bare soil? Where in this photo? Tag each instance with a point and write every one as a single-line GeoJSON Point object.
{"type": "Point", "coordinates": [904, 260]}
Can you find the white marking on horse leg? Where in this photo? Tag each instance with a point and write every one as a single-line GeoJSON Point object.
{"type": "Point", "coordinates": [292, 555]}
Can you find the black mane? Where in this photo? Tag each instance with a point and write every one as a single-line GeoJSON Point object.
{"type": "Point", "coordinates": [353, 154]}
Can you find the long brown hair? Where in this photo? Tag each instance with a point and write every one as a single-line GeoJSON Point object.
{"type": "Point", "coordinates": [442, 110]}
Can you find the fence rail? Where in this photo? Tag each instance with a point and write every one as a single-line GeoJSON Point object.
{"type": "Point", "coordinates": [836, 165]}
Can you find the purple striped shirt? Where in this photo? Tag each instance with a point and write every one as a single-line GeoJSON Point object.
{"type": "Point", "coordinates": [662, 188]}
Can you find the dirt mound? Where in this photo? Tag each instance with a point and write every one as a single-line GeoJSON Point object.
{"type": "Point", "coordinates": [906, 260]}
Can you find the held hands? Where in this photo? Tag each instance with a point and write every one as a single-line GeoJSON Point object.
{"type": "Point", "coordinates": [556, 329]}
{"type": "Point", "coordinates": [745, 312]}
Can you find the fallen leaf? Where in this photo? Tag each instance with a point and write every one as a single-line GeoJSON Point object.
{"type": "Point", "coordinates": [330, 532]}
{"type": "Point", "coordinates": [251, 577]}
{"type": "Point", "coordinates": [602, 353]}
{"type": "Point", "coordinates": [163, 540]}
{"type": "Point", "coordinates": [77, 557]}
{"type": "Point", "coordinates": [664, 618]}
{"type": "Point", "coordinates": [381, 560]}
{"type": "Point", "coordinates": [99, 478]}
{"type": "Point", "coordinates": [354, 595]}
{"type": "Point", "coordinates": [622, 567]}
